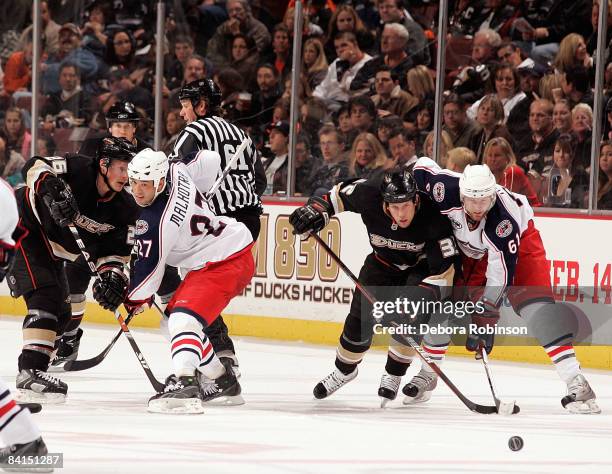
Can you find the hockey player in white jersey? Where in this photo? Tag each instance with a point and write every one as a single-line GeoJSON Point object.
{"type": "Point", "coordinates": [213, 253]}
{"type": "Point", "coordinates": [17, 429]}
{"type": "Point", "coordinates": [503, 255]}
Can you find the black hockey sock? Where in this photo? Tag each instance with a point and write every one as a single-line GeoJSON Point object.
{"type": "Point", "coordinates": [394, 367]}
{"type": "Point", "coordinates": [344, 367]}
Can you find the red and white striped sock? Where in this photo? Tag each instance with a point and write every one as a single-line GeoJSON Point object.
{"type": "Point", "coordinates": [436, 353]}
{"type": "Point", "coordinates": [562, 355]}
{"type": "Point", "coordinates": [16, 425]}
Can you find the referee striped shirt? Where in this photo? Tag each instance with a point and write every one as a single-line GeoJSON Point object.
{"type": "Point", "coordinates": [214, 133]}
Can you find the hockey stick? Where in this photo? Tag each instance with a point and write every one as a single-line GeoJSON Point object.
{"type": "Point", "coordinates": [228, 167]}
{"type": "Point", "coordinates": [475, 407]}
{"type": "Point", "coordinates": [503, 408]}
{"type": "Point", "coordinates": [157, 385]}
{"type": "Point", "coordinates": [77, 365]}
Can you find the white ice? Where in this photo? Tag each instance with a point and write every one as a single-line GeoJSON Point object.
{"type": "Point", "coordinates": [104, 426]}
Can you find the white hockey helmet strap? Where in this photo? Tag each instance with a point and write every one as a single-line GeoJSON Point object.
{"type": "Point", "coordinates": [149, 165]}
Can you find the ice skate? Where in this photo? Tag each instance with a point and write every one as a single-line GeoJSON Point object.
{"type": "Point", "coordinates": [233, 360]}
{"type": "Point", "coordinates": [67, 351]}
{"type": "Point", "coordinates": [580, 397]}
{"type": "Point", "coordinates": [389, 386]}
{"type": "Point", "coordinates": [224, 390]}
{"type": "Point", "coordinates": [332, 382]}
{"type": "Point", "coordinates": [419, 389]}
{"type": "Point", "coordinates": [181, 396]}
{"type": "Point", "coordinates": [33, 448]}
{"type": "Point", "coordinates": [36, 386]}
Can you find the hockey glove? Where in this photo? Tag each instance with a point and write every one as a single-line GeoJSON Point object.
{"type": "Point", "coordinates": [312, 217]}
{"type": "Point", "coordinates": [58, 197]}
{"type": "Point", "coordinates": [111, 287]}
{"type": "Point", "coordinates": [482, 329]}
{"type": "Point", "coordinates": [7, 254]}
{"type": "Point", "coordinates": [137, 307]}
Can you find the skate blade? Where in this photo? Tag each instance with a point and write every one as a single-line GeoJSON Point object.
{"type": "Point", "coordinates": [29, 396]}
{"type": "Point", "coordinates": [176, 406]}
{"type": "Point", "coordinates": [588, 407]}
{"type": "Point", "coordinates": [416, 400]}
{"type": "Point", "coordinates": [506, 408]}
{"type": "Point", "coordinates": [225, 401]}
{"type": "Point", "coordinates": [383, 402]}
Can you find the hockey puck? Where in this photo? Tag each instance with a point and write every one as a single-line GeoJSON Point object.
{"type": "Point", "coordinates": [515, 443]}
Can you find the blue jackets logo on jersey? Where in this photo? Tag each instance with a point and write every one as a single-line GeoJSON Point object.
{"type": "Point", "coordinates": [438, 192]}
{"type": "Point", "coordinates": [141, 227]}
{"type": "Point", "coordinates": [504, 228]}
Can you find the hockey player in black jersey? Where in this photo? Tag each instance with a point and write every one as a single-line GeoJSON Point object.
{"type": "Point", "coordinates": [413, 248]}
{"type": "Point", "coordinates": [60, 191]}
{"type": "Point", "coordinates": [239, 194]}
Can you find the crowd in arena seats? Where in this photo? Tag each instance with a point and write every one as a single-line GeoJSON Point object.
{"type": "Point", "coordinates": [519, 84]}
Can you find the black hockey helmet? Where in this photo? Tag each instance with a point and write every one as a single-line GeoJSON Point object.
{"type": "Point", "coordinates": [122, 112]}
{"type": "Point", "coordinates": [113, 148]}
{"type": "Point", "coordinates": [398, 185]}
{"type": "Point", "coordinates": [202, 89]}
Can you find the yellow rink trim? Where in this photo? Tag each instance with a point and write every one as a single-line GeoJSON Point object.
{"type": "Point", "coordinates": [320, 332]}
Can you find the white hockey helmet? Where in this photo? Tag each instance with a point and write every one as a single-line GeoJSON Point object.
{"type": "Point", "coordinates": [149, 165]}
{"type": "Point", "coordinates": [477, 181]}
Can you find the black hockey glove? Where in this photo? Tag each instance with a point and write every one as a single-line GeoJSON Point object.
{"type": "Point", "coordinates": [312, 217]}
{"type": "Point", "coordinates": [111, 287]}
{"type": "Point", "coordinates": [7, 254]}
{"type": "Point", "coordinates": [481, 333]}
{"type": "Point", "coordinates": [58, 197]}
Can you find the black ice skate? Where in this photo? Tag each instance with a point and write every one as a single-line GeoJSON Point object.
{"type": "Point", "coordinates": [332, 383]}
{"type": "Point", "coordinates": [67, 351]}
{"type": "Point", "coordinates": [224, 390]}
{"type": "Point", "coordinates": [419, 389]}
{"type": "Point", "coordinates": [580, 397]}
{"type": "Point", "coordinates": [230, 357]}
{"type": "Point", "coordinates": [180, 396]}
{"type": "Point", "coordinates": [36, 386]}
{"type": "Point", "coordinates": [33, 448]}
{"type": "Point", "coordinates": [389, 386]}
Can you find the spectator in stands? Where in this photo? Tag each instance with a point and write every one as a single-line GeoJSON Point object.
{"type": "Point", "coordinates": [604, 188]}
{"type": "Point", "coordinates": [446, 145]}
{"type": "Point", "coordinates": [423, 122]}
{"type": "Point", "coordinates": [490, 117]}
{"type": "Point", "coordinates": [562, 116]}
{"type": "Point", "coordinates": [17, 136]}
{"type": "Point", "coordinates": [366, 156]}
{"type": "Point", "coordinates": [456, 122]}
{"type": "Point", "coordinates": [582, 126]}
{"type": "Point", "coordinates": [309, 29]}
{"type": "Point", "coordinates": [393, 41]}
{"type": "Point", "coordinates": [11, 162]}
{"type": "Point", "coordinates": [18, 68]}
{"type": "Point", "coordinates": [241, 21]}
{"type": "Point", "coordinates": [71, 106]}
{"type": "Point", "coordinates": [384, 126]}
{"type": "Point", "coordinates": [392, 11]}
{"type": "Point", "coordinates": [500, 159]}
{"type": "Point", "coordinates": [174, 125]}
{"type": "Point", "coordinates": [572, 53]}
{"type": "Point", "coordinates": [69, 51]}
{"type": "Point", "coordinates": [334, 168]}
{"type": "Point", "coordinates": [50, 29]}
{"type": "Point", "coordinates": [276, 166]}
{"type": "Point", "coordinates": [506, 83]}
{"type": "Point", "coordinates": [335, 89]}
{"type": "Point", "coordinates": [345, 18]}
{"type": "Point", "coordinates": [402, 144]}
{"type": "Point", "coordinates": [280, 56]}
{"type": "Point", "coordinates": [529, 74]}
{"type": "Point", "coordinates": [389, 95]}
{"type": "Point", "coordinates": [592, 39]}
{"type": "Point", "coordinates": [510, 54]}
{"type": "Point", "coordinates": [97, 15]}
{"type": "Point", "coordinates": [245, 58]}
{"type": "Point", "coordinates": [342, 119]}
{"type": "Point", "coordinates": [550, 87]}
{"type": "Point", "coordinates": [567, 185]}
{"type": "Point", "coordinates": [267, 93]}
{"type": "Point", "coordinates": [536, 149]}
{"type": "Point", "coordinates": [576, 87]}
{"type": "Point", "coordinates": [465, 17]}
{"type": "Point", "coordinates": [121, 52]}
{"type": "Point", "coordinates": [123, 89]}
{"type": "Point", "coordinates": [195, 68]}
{"type": "Point", "coordinates": [46, 145]}
{"type": "Point", "coordinates": [174, 64]}
{"type": "Point", "coordinates": [231, 86]}
{"type": "Point", "coordinates": [306, 164]}
{"type": "Point", "coordinates": [420, 83]}
{"type": "Point", "coordinates": [313, 114]}
{"type": "Point", "coordinates": [459, 158]}
{"type": "Point", "coordinates": [363, 114]}
{"type": "Point", "coordinates": [314, 65]}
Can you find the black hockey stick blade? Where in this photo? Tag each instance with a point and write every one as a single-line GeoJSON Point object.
{"type": "Point", "coordinates": [475, 407]}
{"type": "Point", "coordinates": [33, 407]}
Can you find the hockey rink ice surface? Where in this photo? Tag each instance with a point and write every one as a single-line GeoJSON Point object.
{"type": "Point", "coordinates": [104, 426]}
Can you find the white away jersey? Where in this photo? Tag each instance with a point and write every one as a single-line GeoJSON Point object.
{"type": "Point", "coordinates": [10, 216]}
{"type": "Point", "coordinates": [498, 234]}
{"type": "Point", "coordinates": [180, 230]}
